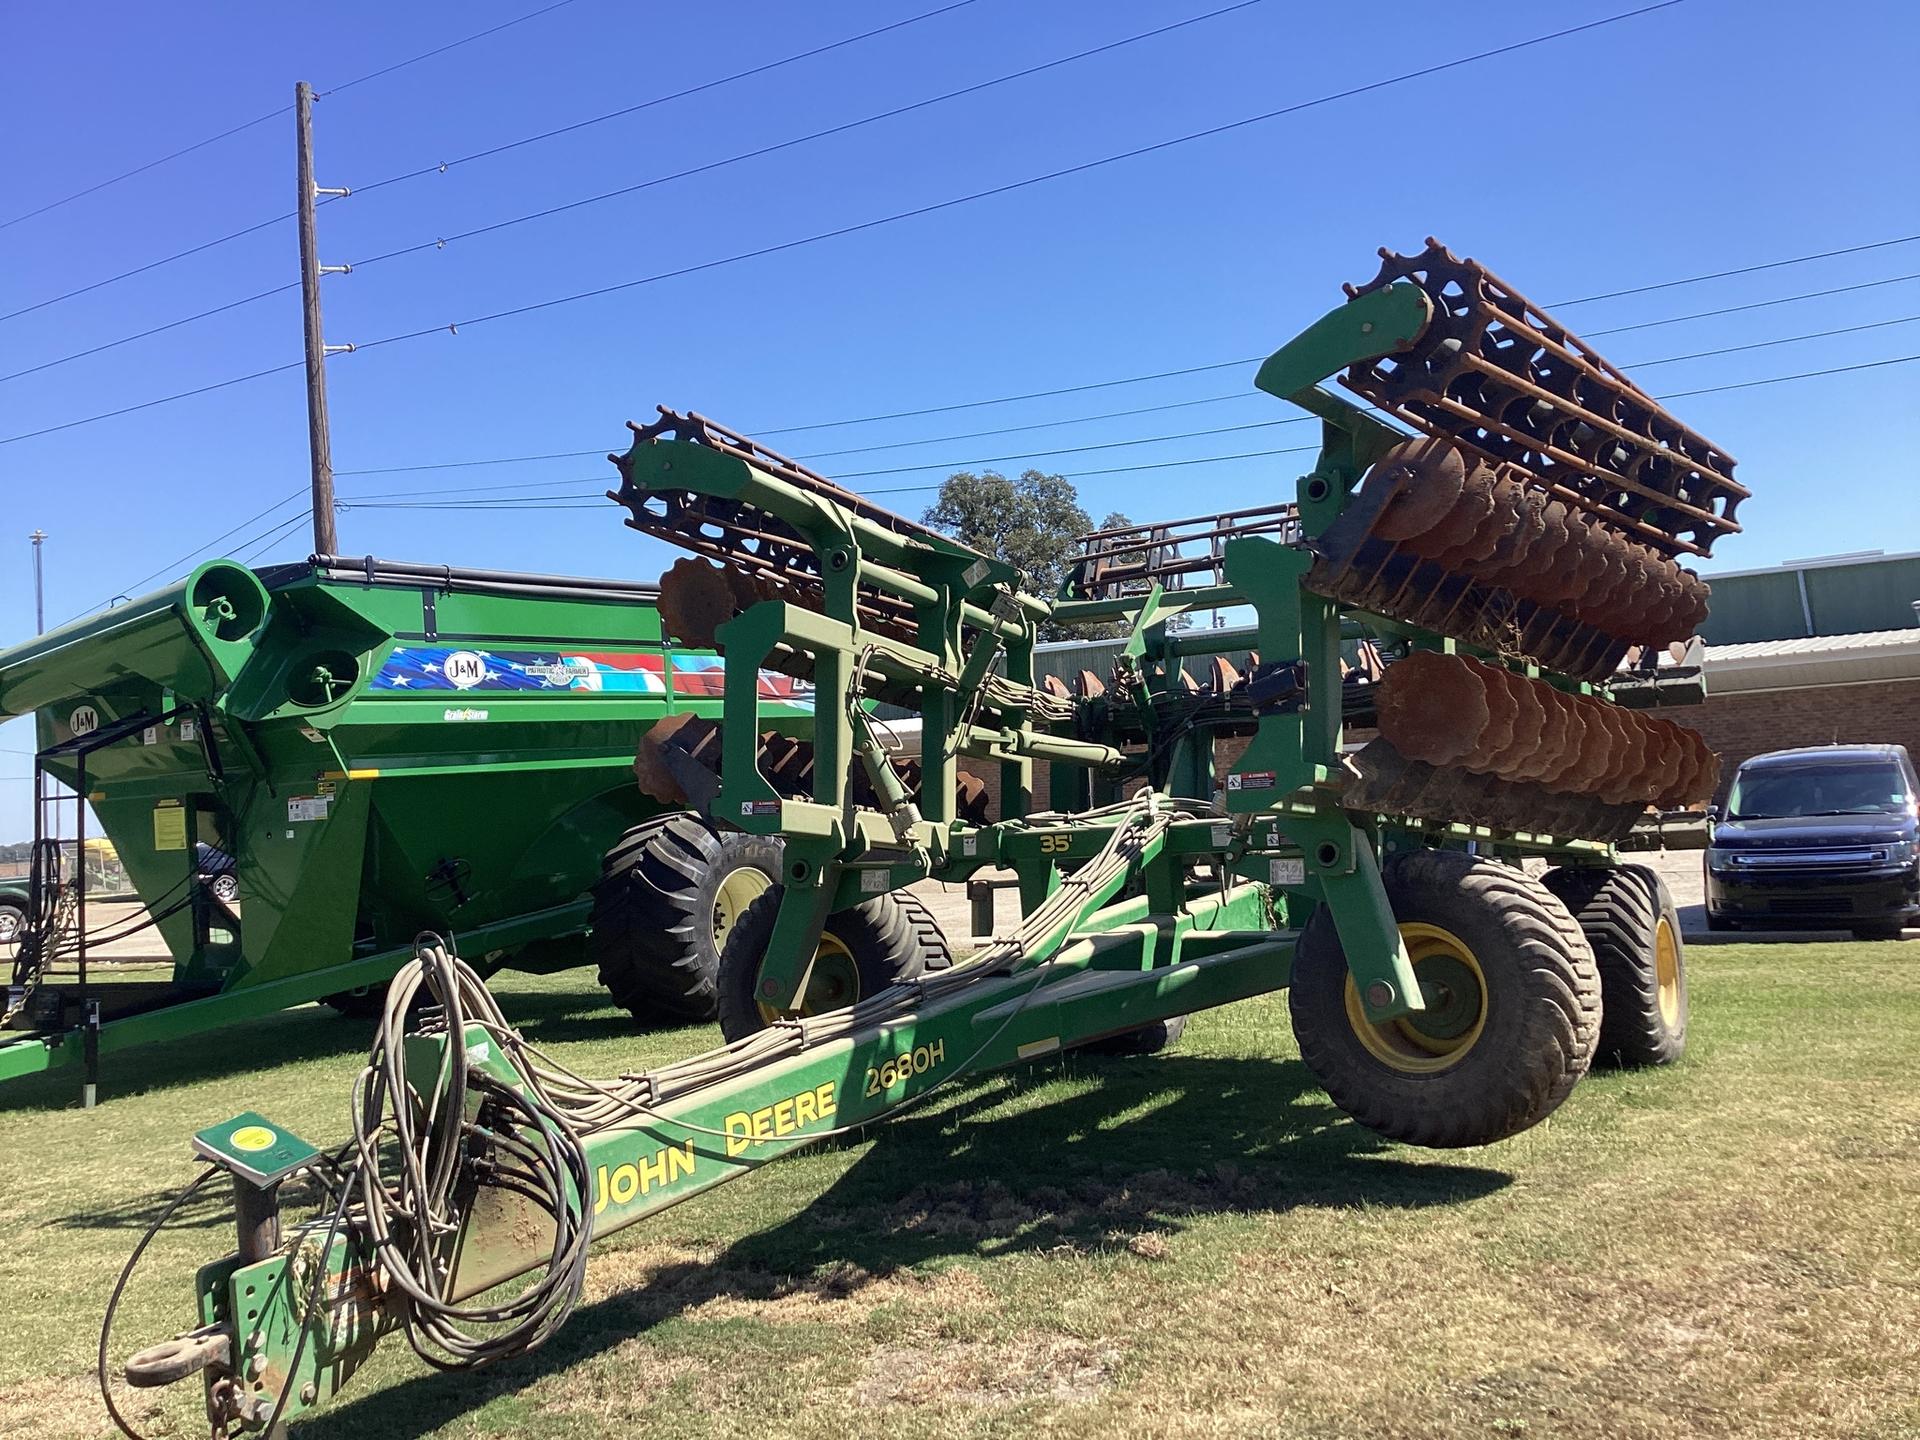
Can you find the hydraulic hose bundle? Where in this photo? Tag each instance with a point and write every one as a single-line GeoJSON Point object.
{"type": "Point", "coordinates": [413, 1205]}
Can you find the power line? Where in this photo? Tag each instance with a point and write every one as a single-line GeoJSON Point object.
{"type": "Point", "coordinates": [452, 45]}
{"type": "Point", "coordinates": [1046, 177]}
{"type": "Point", "coordinates": [349, 501]}
{"type": "Point", "coordinates": [1008, 188]}
{"type": "Point", "coordinates": [537, 501]}
{"type": "Point", "coordinates": [261, 120]}
{"type": "Point", "coordinates": [447, 165]}
{"type": "Point", "coordinates": [1758, 304]}
{"type": "Point", "coordinates": [1782, 379]}
{"type": "Point", "coordinates": [154, 330]}
{"type": "Point", "coordinates": [444, 166]}
{"type": "Point", "coordinates": [276, 535]}
{"type": "Point", "coordinates": [1769, 344]}
{"type": "Point", "coordinates": [172, 567]}
{"type": "Point", "coordinates": [1131, 469]}
{"type": "Point", "coordinates": [163, 400]}
{"type": "Point", "coordinates": [588, 502]}
{"type": "Point", "coordinates": [1144, 409]}
{"type": "Point", "coordinates": [1038, 425]}
{"type": "Point", "coordinates": [441, 242]}
{"type": "Point", "coordinates": [1266, 424]}
{"type": "Point", "coordinates": [1742, 270]}
{"type": "Point", "coordinates": [150, 265]}
{"type": "Point", "coordinates": [142, 169]}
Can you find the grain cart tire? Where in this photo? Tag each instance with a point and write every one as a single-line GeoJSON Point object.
{"type": "Point", "coordinates": [933, 940]}
{"type": "Point", "coordinates": [668, 892]}
{"type": "Point", "coordinates": [13, 922]}
{"type": "Point", "coordinates": [1513, 1006]}
{"type": "Point", "coordinates": [1147, 1040]}
{"type": "Point", "coordinates": [1630, 920]}
{"type": "Point", "coordinates": [863, 949]}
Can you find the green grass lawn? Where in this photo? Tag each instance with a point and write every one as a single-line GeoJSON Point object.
{"type": "Point", "coordinates": [1193, 1244]}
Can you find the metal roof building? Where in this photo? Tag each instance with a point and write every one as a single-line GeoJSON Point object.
{"type": "Point", "coordinates": [1829, 595]}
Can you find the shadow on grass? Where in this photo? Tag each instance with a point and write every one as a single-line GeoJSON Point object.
{"type": "Point", "coordinates": [307, 1032]}
{"type": "Point", "coordinates": [1152, 1146]}
{"type": "Point", "coordinates": [311, 1032]}
{"type": "Point", "coordinates": [211, 1209]}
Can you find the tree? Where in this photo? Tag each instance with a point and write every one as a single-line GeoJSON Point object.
{"type": "Point", "coordinates": [1031, 523]}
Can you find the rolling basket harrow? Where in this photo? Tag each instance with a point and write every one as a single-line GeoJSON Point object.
{"type": "Point", "coordinates": [1439, 615]}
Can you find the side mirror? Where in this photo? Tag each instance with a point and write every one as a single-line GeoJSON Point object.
{"type": "Point", "coordinates": [1713, 814]}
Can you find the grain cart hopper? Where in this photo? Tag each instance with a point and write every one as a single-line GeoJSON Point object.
{"type": "Point", "coordinates": [1441, 994]}
{"type": "Point", "coordinates": [380, 748]}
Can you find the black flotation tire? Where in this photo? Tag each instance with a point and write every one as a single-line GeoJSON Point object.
{"type": "Point", "coordinates": [652, 928]}
{"type": "Point", "coordinates": [1539, 1007]}
{"type": "Point", "coordinates": [1624, 911]}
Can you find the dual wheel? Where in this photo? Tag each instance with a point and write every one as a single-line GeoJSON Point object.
{"type": "Point", "coordinates": [862, 950]}
{"type": "Point", "coordinates": [670, 892]}
{"type": "Point", "coordinates": [1524, 982]}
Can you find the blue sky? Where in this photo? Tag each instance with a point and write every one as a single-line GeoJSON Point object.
{"type": "Point", "coordinates": [1700, 137]}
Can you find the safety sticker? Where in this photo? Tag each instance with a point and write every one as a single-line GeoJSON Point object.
{"type": "Point", "coordinates": [308, 807]}
{"type": "Point", "coordinates": [1223, 837]}
{"type": "Point", "coordinates": [1290, 870]}
{"type": "Point", "coordinates": [1252, 780]}
{"type": "Point", "coordinates": [759, 807]}
{"type": "Point", "coordinates": [873, 882]}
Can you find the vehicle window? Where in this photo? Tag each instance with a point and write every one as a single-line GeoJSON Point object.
{"type": "Point", "coordinates": [1777, 792]}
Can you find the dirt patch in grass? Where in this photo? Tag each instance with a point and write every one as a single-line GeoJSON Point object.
{"type": "Point", "coordinates": [1033, 1367]}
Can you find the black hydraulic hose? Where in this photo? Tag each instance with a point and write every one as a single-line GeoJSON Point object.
{"type": "Point", "coordinates": [119, 1288]}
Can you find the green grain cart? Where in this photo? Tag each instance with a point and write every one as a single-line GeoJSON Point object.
{"type": "Point", "coordinates": [355, 752]}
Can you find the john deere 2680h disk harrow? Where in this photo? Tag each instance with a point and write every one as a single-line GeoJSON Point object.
{"type": "Point", "coordinates": [1441, 609]}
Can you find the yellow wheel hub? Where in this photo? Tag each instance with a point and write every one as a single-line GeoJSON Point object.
{"type": "Point", "coordinates": [738, 889]}
{"type": "Point", "coordinates": [833, 983]}
{"type": "Point", "coordinates": [1455, 989]}
{"type": "Point", "coordinates": [1666, 971]}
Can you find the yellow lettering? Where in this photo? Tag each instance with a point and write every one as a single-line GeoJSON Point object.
{"type": "Point", "coordinates": [763, 1125]}
{"type": "Point", "coordinates": [803, 1111]}
{"type": "Point", "coordinates": [783, 1117]}
{"type": "Point", "coordinates": [738, 1127]}
{"type": "Point", "coordinates": [624, 1184]}
{"type": "Point", "coordinates": [937, 1052]}
{"type": "Point", "coordinates": [653, 1172]}
{"type": "Point", "coordinates": [680, 1162]}
{"type": "Point", "coordinates": [823, 1099]}
{"type": "Point", "coordinates": [600, 1192]}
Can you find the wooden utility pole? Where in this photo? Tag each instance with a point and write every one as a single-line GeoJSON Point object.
{"type": "Point", "coordinates": [319, 443]}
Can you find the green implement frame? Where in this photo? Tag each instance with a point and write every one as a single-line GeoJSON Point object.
{"type": "Point", "coordinates": [1155, 879]}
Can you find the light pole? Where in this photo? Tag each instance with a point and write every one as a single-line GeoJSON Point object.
{"type": "Point", "coordinates": [39, 538]}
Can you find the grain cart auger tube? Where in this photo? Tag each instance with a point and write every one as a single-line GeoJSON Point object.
{"type": "Point", "coordinates": [1428, 707]}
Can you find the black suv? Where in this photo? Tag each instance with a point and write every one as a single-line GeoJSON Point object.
{"type": "Point", "coordinates": [1823, 837]}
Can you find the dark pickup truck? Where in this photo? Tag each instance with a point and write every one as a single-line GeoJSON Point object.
{"type": "Point", "coordinates": [1821, 838]}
